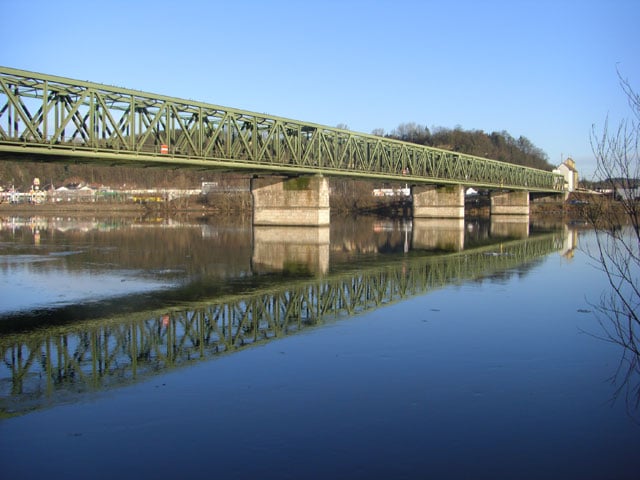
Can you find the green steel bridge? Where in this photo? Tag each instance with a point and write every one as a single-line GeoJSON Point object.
{"type": "Point", "coordinates": [51, 118]}
{"type": "Point", "coordinates": [42, 365]}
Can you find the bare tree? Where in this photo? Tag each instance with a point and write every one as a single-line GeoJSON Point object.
{"type": "Point", "coordinates": [617, 251]}
{"type": "Point", "coordinates": [411, 132]}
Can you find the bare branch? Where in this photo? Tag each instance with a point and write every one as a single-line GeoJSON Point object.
{"type": "Point", "coordinates": [616, 222]}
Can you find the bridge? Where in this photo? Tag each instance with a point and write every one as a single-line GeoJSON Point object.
{"type": "Point", "coordinates": [104, 351]}
{"type": "Point", "coordinates": [51, 118]}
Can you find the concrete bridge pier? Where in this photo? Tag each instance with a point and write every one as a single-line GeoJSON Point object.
{"type": "Point", "coordinates": [510, 203]}
{"type": "Point", "coordinates": [298, 201]}
{"type": "Point", "coordinates": [433, 201]}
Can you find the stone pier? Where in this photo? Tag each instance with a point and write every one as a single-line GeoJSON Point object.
{"type": "Point", "coordinates": [433, 201]}
{"type": "Point", "coordinates": [510, 203]}
{"type": "Point", "coordinates": [299, 201]}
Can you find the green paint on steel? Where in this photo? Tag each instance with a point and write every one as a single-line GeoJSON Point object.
{"type": "Point", "coordinates": [44, 115]}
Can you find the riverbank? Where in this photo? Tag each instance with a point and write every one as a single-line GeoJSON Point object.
{"type": "Point", "coordinates": [78, 208]}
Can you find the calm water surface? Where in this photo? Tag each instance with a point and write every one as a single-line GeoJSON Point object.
{"type": "Point", "coordinates": [371, 349]}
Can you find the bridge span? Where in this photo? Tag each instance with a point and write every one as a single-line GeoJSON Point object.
{"type": "Point", "coordinates": [52, 118]}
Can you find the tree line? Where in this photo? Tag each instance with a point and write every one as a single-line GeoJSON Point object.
{"type": "Point", "coordinates": [20, 174]}
{"type": "Point", "coordinates": [499, 146]}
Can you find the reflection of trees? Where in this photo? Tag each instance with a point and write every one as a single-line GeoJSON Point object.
{"type": "Point", "coordinates": [617, 252]}
{"type": "Point", "coordinates": [365, 235]}
{"type": "Point", "coordinates": [196, 248]}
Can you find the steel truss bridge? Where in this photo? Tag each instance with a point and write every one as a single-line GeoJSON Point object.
{"type": "Point", "coordinates": [110, 352]}
{"type": "Point", "coordinates": [45, 117]}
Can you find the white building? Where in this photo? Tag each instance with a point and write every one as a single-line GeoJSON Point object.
{"type": "Point", "coordinates": [568, 170]}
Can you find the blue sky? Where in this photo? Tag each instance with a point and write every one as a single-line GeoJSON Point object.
{"type": "Point", "coordinates": [545, 69]}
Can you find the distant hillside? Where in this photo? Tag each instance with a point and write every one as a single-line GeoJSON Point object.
{"type": "Point", "coordinates": [499, 146]}
{"type": "Point", "coordinates": [21, 175]}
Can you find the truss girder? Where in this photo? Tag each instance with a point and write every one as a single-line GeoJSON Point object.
{"type": "Point", "coordinates": [43, 114]}
{"type": "Point", "coordinates": [102, 353]}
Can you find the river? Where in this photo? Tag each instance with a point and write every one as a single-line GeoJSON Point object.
{"type": "Point", "coordinates": [373, 348]}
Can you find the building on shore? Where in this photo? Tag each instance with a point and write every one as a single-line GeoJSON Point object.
{"type": "Point", "coordinates": [568, 170]}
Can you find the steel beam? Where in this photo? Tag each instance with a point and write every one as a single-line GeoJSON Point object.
{"type": "Point", "coordinates": [49, 116]}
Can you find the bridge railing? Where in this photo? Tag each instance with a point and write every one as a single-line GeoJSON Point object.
{"type": "Point", "coordinates": [44, 114]}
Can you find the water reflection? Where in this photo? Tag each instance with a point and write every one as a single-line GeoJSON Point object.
{"type": "Point", "coordinates": [513, 226]}
{"type": "Point", "coordinates": [615, 252]}
{"type": "Point", "coordinates": [626, 382]}
{"type": "Point", "coordinates": [446, 234]}
{"type": "Point", "coordinates": [291, 249]}
{"type": "Point", "coordinates": [229, 300]}
{"type": "Point", "coordinates": [92, 261]}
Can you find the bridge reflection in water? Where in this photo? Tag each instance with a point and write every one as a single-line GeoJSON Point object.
{"type": "Point", "coordinates": [47, 366]}
{"type": "Point", "coordinates": [280, 248]}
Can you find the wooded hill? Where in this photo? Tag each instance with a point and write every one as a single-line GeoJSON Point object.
{"type": "Point", "coordinates": [496, 145]}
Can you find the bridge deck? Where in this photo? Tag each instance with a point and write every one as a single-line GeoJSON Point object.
{"type": "Point", "coordinates": [44, 117]}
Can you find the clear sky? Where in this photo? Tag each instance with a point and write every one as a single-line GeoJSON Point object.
{"type": "Point", "coordinates": [544, 69]}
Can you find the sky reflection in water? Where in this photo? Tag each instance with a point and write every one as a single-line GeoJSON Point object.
{"type": "Point", "coordinates": [24, 288]}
